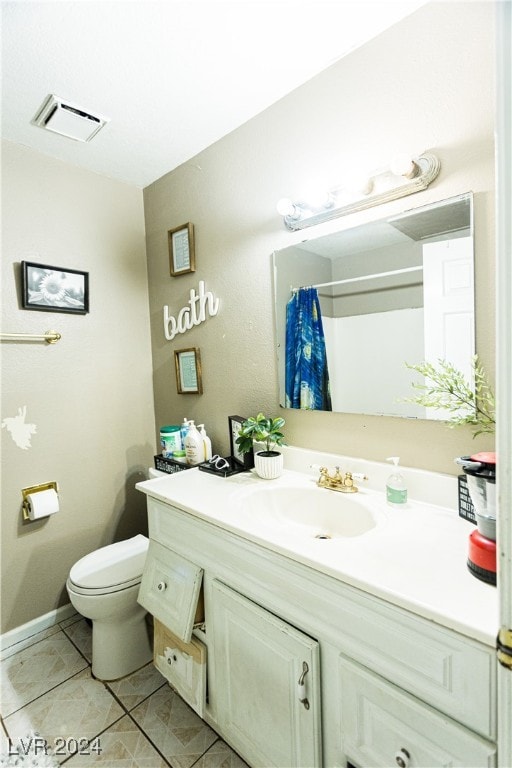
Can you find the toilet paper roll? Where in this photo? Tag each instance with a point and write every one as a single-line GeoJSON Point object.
{"type": "Point", "coordinates": [42, 504]}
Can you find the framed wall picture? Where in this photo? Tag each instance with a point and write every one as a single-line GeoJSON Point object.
{"type": "Point", "coordinates": [182, 257]}
{"type": "Point", "coordinates": [54, 289]}
{"type": "Point", "coordinates": [245, 460]}
{"type": "Point", "coordinates": [188, 371]}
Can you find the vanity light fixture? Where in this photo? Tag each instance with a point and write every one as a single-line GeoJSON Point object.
{"type": "Point", "coordinates": [404, 176]}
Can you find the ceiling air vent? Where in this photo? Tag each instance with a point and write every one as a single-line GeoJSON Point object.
{"type": "Point", "coordinates": [62, 117]}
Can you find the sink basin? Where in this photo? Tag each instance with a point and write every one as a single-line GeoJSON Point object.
{"type": "Point", "coordinates": [308, 512]}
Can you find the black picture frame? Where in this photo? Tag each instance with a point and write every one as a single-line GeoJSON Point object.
{"type": "Point", "coordinates": [245, 460]}
{"type": "Point", "coordinates": [46, 288]}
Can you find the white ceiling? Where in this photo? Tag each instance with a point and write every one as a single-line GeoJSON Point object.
{"type": "Point", "coordinates": [173, 77]}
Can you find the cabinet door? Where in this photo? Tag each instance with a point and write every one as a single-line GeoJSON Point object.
{"type": "Point", "coordinates": [266, 694]}
{"type": "Point", "coordinates": [170, 590]}
{"type": "Point", "coordinates": [384, 726]}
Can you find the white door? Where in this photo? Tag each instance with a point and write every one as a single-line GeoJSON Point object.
{"type": "Point", "coordinates": [504, 367]}
{"type": "Point", "coordinates": [267, 684]}
{"type": "Point", "coordinates": [448, 293]}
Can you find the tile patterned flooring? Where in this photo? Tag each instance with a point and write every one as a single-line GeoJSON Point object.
{"type": "Point", "coordinates": [48, 689]}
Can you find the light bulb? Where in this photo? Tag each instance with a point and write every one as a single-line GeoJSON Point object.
{"type": "Point", "coordinates": [319, 200]}
{"type": "Point", "coordinates": [360, 184]}
{"type": "Point", "coordinates": [404, 165]}
{"type": "Point", "coordinates": [286, 208]}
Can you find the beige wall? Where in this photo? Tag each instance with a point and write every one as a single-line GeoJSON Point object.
{"type": "Point", "coordinates": [90, 394]}
{"type": "Point", "coordinates": [426, 84]}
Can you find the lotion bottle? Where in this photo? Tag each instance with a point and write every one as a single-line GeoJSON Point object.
{"type": "Point", "coordinates": [194, 450]}
{"type": "Point", "coordinates": [396, 488]}
{"type": "Point", "coordinates": [207, 443]}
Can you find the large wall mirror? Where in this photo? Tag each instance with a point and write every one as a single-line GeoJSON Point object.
{"type": "Point", "coordinates": [395, 291]}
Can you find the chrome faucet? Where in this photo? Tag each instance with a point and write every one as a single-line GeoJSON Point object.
{"type": "Point", "coordinates": [338, 481]}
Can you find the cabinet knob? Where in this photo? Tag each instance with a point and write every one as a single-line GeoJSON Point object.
{"type": "Point", "coordinates": [402, 758]}
{"type": "Point", "coordinates": [161, 586]}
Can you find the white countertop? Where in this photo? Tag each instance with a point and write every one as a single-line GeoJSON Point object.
{"type": "Point", "coordinates": [415, 558]}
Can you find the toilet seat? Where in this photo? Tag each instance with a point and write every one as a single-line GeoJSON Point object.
{"type": "Point", "coordinates": [110, 569]}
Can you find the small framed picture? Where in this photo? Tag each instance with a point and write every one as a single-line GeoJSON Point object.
{"type": "Point", "coordinates": [245, 460]}
{"type": "Point", "coordinates": [188, 371]}
{"type": "Point", "coordinates": [54, 289]}
{"type": "Point", "coordinates": [181, 250]}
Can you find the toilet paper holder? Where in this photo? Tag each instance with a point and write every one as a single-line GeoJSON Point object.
{"type": "Point", "coordinates": [35, 489]}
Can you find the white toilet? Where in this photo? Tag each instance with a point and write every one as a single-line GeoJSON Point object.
{"type": "Point", "coordinates": [103, 586]}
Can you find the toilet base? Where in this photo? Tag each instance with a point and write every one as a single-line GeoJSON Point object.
{"type": "Point", "coordinates": [119, 650]}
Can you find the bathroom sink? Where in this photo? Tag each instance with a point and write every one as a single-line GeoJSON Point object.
{"type": "Point", "coordinates": [307, 512]}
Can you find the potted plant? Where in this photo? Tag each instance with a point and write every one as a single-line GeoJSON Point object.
{"type": "Point", "coordinates": [447, 388]}
{"type": "Point", "coordinates": [268, 463]}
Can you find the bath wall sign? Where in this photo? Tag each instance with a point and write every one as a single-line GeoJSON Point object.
{"type": "Point", "coordinates": [199, 306]}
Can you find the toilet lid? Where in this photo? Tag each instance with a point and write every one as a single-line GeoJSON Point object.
{"type": "Point", "coordinates": [112, 565]}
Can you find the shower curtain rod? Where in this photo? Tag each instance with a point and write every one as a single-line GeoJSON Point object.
{"type": "Point", "coordinates": [365, 277]}
{"type": "Point", "coordinates": [50, 336]}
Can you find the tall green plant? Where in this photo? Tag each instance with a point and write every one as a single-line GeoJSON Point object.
{"type": "Point", "coordinates": [447, 388]}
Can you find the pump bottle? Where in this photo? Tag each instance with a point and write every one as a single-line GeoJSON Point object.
{"type": "Point", "coordinates": [194, 450]}
{"type": "Point", "coordinates": [396, 488]}
{"type": "Point", "coordinates": [207, 443]}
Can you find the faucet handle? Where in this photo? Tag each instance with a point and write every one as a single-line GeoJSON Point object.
{"type": "Point", "coordinates": [323, 477]}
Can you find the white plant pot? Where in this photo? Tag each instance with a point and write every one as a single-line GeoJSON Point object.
{"type": "Point", "coordinates": [268, 465]}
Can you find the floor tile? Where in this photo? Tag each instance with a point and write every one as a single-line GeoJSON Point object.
{"type": "Point", "coordinates": [80, 633]}
{"type": "Point", "coordinates": [4, 741]}
{"type": "Point", "coordinates": [35, 670]}
{"type": "Point", "coordinates": [28, 641]}
{"type": "Point", "coordinates": [220, 756]}
{"type": "Point", "coordinates": [180, 735]}
{"type": "Point", "coordinates": [134, 688]}
{"type": "Point", "coordinates": [70, 620]}
{"type": "Point", "coordinates": [78, 709]}
{"type": "Point", "coordinates": [29, 751]}
{"type": "Point", "coordinates": [120, 746]}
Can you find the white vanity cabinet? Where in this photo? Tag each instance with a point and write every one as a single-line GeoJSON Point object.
{"type": "Point", "coordinates": [384, 686]}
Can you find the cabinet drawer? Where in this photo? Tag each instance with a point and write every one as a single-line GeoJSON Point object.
{"type": "Point", "coordinates": [382, 726]}
{"type": "Point", "coordinates": [170, 590]}
{"type": "Point", "coordinates": [450, 672]}
{"type": "Point", "coordinates": [183, 665]}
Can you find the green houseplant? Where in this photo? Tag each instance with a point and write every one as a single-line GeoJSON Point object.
{"type": "Point", "coordinates": [268, 463]}
{"type": "Point", "coordinates": [447, 388]}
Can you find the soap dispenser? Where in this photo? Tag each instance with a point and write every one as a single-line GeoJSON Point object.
{"type": "Point", "coordinates": [184, 430]}
{"type": "Point", "coordinates": [194, 449]}
{"type": "Point", "coordinates": [396, 489]}
{"type": "Point", "coordinates": [207, 443]}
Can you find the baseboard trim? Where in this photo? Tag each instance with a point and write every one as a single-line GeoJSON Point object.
{"type": "Point", "coordinates": [25, 631]}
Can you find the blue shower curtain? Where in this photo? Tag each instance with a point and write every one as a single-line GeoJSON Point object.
{"type": "Point", "coordinates": [307, 375]}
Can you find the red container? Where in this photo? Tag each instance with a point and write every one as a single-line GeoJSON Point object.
{"type": "Point", "coordinates": [482, 557]}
